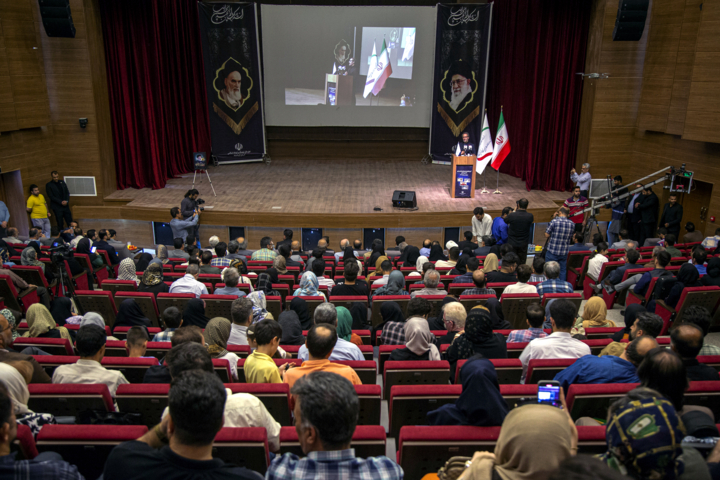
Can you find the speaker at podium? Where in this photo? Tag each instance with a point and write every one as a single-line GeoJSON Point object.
{"type": "Point", "coordinates": [463, 180]}
{"type": "Point", "coordinates": [338, 89]}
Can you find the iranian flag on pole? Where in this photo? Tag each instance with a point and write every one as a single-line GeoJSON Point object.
{"type": "Point", "coordinates": [370, 81]}
{"type": "Point", "coordinates": [502, 144]}
{"type": "Point", "coordinates": [383, 69]}
{"type": "Point", "coordinates": [486, 147]}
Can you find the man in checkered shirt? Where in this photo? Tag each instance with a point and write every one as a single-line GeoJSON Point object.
{"type": "Point", "coordinates": [326, 412]}
{"type": "Point", "coordinates": [479, 281]}
{"type": "Point", "coordinates": [171, 320]}
{"type": "Point", "coordinates": [393, 333]}
{"type": "Point", "coordinates": [553, 284]}
{"type": "Point", "coordinates": [560, 232]}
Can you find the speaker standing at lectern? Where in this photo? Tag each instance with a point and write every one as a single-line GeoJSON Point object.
{"type": "Point", "coordinates": [465, 147]}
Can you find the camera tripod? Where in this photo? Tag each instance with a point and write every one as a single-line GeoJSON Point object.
{"type": "Point", "coordinates": [208, 175]}
{"type": "Point", "coordinates": [65, 283]}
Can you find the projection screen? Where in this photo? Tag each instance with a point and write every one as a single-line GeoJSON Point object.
{"type": "Point", "coordinates": [319, 67]}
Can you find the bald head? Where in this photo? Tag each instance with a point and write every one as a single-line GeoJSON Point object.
{"type": "Point", "coordinates": [686, 340]}
{"type": "Point", "coordinates": [242, 242]}
{"type": "Point", "coordinates": [637, 349]}
{"type": "Point", "coordinates": [479, 278]}
{"type": "Point", "coordinates": [295, 245]}
{"type": "Point", "coordinates": [322, 243]}
{"type": "Point", "coordinates": [344, 243]}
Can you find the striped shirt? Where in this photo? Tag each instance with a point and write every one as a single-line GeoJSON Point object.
{"type": "Point", "coordinates": [575, 206]}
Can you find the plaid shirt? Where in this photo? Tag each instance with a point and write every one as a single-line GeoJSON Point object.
{"type": "Point", "coordinates": [711, 243]}
{"type": "Point", "coordinates": [479, 291]}
{"type": "Point", "coordinates": [708, 349]}
{"type": "Point", "coordinates": [60, 470]}
{"type": "Point", "coordinates": [164, 336]}
{"type": "Point", "coordinates": [339, 464]}
{"type": "Point", "coordinates": [517, 336]}
{"type": "Point", "coordinates": [220, 262]}
{"type": "Point", "coordinates": [263, 254]}
{"type": "Point", "coordinates": [393, 333]}
{"type": "Point", "coordinates": [554, 286]}
{"type": "Point", "coordinates": [561, 230]}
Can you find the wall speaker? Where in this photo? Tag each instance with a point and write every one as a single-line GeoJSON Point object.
{"type": "Point", "coordinates": [57, 18]}
{"type": "Point", "coordinates": [404, 199]}
{"type": "Point", "coordinates": [630, 21]}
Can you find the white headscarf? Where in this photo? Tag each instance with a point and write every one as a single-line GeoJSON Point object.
{"type": "Point", "coordinates": [450, 244]}
{"type": "Point", "coordinates": [16, 387]}
{"type": "Point", "coordinates": [422, 260]}
{"type": "Point", "coordinates": [92, 318]}
{"type": "Point", "coordinates": [419, 339]}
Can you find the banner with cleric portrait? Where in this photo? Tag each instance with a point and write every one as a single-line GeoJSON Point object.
{"type": "Point", "coordinates": [462, 44]}
{"type": "Point", "coordinates": [233, 79]}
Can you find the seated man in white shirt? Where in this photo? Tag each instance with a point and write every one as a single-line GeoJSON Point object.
{"type": "Point", "coordinates": [559, 344]}
{"type": "Point", "coordinates": [453, 257]}
{"type": "Point", "coordinates": [189, 283]}
{"type": "Point", "coordinates": [318, 268]}
{"type": "Point", "coordinates": [241, 409]}
{"type": "Point", "coordinates": [90, 344]}
{"type": "Point", "coordinates": [241, 312]}
{"type": "Point", "coordinates": [524, 272]}
{"type": "Point", "coordinates": [344, 350]}
{"type": "Point", "coordinates": [386, 267]}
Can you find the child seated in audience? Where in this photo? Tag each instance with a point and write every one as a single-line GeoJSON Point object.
{"type": "Point", "coordinates": [523, 276]}
{"type": "Point", "coordinates": [260, 366]}
{"type": "Point", "coordinates": [538, 266]}
{"type": "Point", "coordinates": [535, 314]}
{"type": "Point", "coordinates": [171, 319]}
{"type": "Point", "coordinates": [136, 342]}
{"type": "Point", "coordinates": [596, 261]}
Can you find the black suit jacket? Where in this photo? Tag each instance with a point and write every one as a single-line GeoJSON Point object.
{"type": "Point", "coordinates": [672, 215]}
{"type": "Point", "coordinates": [636, 214]}
{"type": "Point", "coordinates": [112, 253]}
{"type": "Point", "coordinates": [57, 193]}
{"type": "Point", "coordinates": [649, 208]}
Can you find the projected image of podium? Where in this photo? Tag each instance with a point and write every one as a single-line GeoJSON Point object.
{"type": "Point", "coordinates": [338, 89]}
{"type": "Point", "coordinates": [463, 176]}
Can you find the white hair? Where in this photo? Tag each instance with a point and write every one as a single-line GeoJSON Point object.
{"type": "Point", "coordinates": [586, 165]}
{"type": "Point", "coordinates": [214, 240]}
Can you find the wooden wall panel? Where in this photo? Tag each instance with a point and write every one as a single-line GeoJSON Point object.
{"type": "Point", "coordinates": [338, 234]}
{"type": "Point", "coordinates": [413, 236]}
{"type": "Point", "coordinates": [136, 231]}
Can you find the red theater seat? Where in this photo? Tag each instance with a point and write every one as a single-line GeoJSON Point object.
{"type": "Point", "coordinates": [132, 368]}
{"type": "Point", "coordinates": [26, 443]}
{"type": "Point", "coordinates": [15, 300]}
{"type": "Point", "coordinates": [410, 404]}
{"type": "Point", "coordinates": [401, 300]}
{"type": "Point", "coordinates": [707, 297]}
{"type": "Point", "coordinates": [367, 370]}
{"type": "Point", "coordinates": [149, 400]}
{"type": "Point", "coordinates": [577, 264]}
{"type": "Point", "coordinates": [509, 370]}
{"type": "Point", "coordinates": [367, 440]}
{"type": "Point", "coordinates": [114, 286]}
{"type": "Point", "coordinates": [97, 301]}
{"type": "Point", "coordinates": [471, 301]}
{"type": "Point", "coordinates": [275, 397]}
{"type": "Point", "coordinates": [414, 373]}
{"type": "Point", "coordinates": [222, 368]}
{"type": "Point", "coordinates": [53, 346]}
{"type": "Point", "coordinates": [611, 297]}
{"type": "Point", "coordinates": [245, 447]}
{"type": "Point", "coordinates": [121, 332]}
{"type": "Point", "coordinates": [605, 270]}
{"type": "Point", "coordinates": [514, 307]}
{"type": "Point", "coordinates": [146, 302]}
{"type": "Point", "coordinates": [542, 369]}
{"type": "Point", "coordinates": [178, 300]}
{"type": "Point", "coordinates": [312, 303]}
{"type": "Point", "coordinates": [347, 300]}
{"type": "Point", "coordinates": [218, 305]}
{"type": "Point", "coordinates": [69, 399]}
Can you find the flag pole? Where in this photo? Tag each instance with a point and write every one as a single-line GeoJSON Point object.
{"type": "Point", "coordinates": [484, 189]}
{"type": "Point", "coordinates": [497, 184]}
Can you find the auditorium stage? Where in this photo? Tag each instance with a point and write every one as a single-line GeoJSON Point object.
{"type": "Point", "coordinates": [330, 193]}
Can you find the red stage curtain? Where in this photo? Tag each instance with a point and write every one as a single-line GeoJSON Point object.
{"type": "Point", "coordinates": [536, 48]}
{"type": "Point", "coordinates": [157, 88]}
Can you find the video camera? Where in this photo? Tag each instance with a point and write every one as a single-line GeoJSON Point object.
{"type": "Point", "coordinates": [199, 202]}
{"type": "Point", "coordinates": [59, 252]}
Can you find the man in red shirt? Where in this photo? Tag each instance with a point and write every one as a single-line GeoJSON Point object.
{"type": "Point", "coordinates": [577, 203]}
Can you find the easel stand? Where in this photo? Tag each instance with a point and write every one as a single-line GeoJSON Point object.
{"type": "Point", "coordinates": [208, 175]}
{"type": "Point", "coordinates": [497, 185]}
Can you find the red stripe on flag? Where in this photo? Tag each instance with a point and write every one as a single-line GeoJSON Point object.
{"type": "Point", "coordinates": [501, 156]}
{"type": "Point", "coordinates": [485, 156]}
{"type": "Point", "coordinates": [380, 82]}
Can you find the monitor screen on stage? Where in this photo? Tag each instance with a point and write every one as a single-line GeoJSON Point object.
{"type": "Point", "coordinates": [348, 66]}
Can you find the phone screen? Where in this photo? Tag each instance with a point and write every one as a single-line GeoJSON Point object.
{"type": "Point", "coordinates": [92, 249]}
{"type": "Point", "coordinates": [549, 394]}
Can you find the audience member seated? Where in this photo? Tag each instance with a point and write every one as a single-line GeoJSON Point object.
{"type": "Point", "coordinates": [687, 340]}
{"type": "Point", "coordinates": [181, 445]}
{"type": "Point", "coordinates": [467, 242]}
{"type": "Point", "coordinates": [15, 377]}
{"type": "Point", "coordinates": [12, 237]}
{"type": "Point", "coordinates": [559, 344]}
{"type": "Point", "coordinates": [144, 261]}
{"type": "Point", "coordinates": [425, 250]}
{"type": "Point", "coordinates": [102, 244]}
{"type": "Point", "coordinates": [44, 465]}
{"type": "Point", "coordinates": [130, 314]}
{"type": "Point", "coordinates": [63, 312]}
{"type": "Point", "coordinates": [670, 240]}
{"type": "Point", "coordinates": [658, 240]}
{"type": "Point", "coordinates": [326, 313]}
{"type": "Point", "coordinates": [217, 332]}
{"type": "Point", "coordinates": [90, 344]}
{"type": "Point", "coordinates": [266, 280]}
{"type": "Point", "coordinates": [285, 251]}
{"type": "Point", "coordinates": [83, 247]}
{"type": "Point", "coordinates": [316, 254]}
{"type": "Point", "coordinates": [553, 284]}
{"type": "Point", "coordinates": [692, 235]}
{"type": "Point", "coordinates": [486, 243]}
{"type": "Point", "coordinates": [241, 312]}
{"type": "Point", "coordinates": [162, 256]}
{"type": "Point", "coordinates": [506, 273]}
{"type": "Point", "coordinates": [233, 254]}
{"type": "Point", "coordinates": [419, 343]}
{"type": "Point", "coordinates": [152, 280]}
{"type": "Point", "coordinates": [431, 281]}
{"type": "Point", "coordinates": [491, 263]}
{"type": "Point", "coordinates": [395, 285]}
{"type": "Point", "coordinates": [326, 411]}
{"type": "Point", "coordinates": [292, 332]}
{"type": "Point", "coordinates": [345, 325]}
{"type": "Point", "coordinates": [221, 260]}
{"type": "Point", "coordinates": [712, 273]}
{"type": "Point", "coordinates": [212, 243]}
{"type": "Point", "coordinates": [42, 325]}
{"type": "Point", "coordinates": [8, 355]}
{"type": "Point", "coordinates": [231, 277]}
{"type": "Point", "coordinates": [594, 315]}
{"type": "Point", "coordinates": [578, 243]}
{"type": "Point", "coordinates": [309, 286]}
{"type": "Point", "coordinates": [171, 320]}
{"type": "Point", "coordinates": [375, 256]}
{"type": "Point", "coordinates": [178, 251]}
{"type": "Point", "coordinates": [350, 286]}
{"type": "Point", "coordinates": [622, 243]}
{"type": "Point", "coordinates": [453, 316]}
{"type": "Point", "coordinates": [206, 264]}
{"type": "Point", "coordinates": [699, 257]}
{"type": "Point", "coordinates": [161, 373]}
{"type": "Point", "coordinates": [638, 323]}
{"type": "Point", "coordinates": [472, 264]}
{"type": "Point", "coordinates": [318, 268]}
{"type": "Point", "coordinates": [655, 264]}
{"type": "Point", "coordinates": [194, 313]}
{"type": "Point", "coordinates": [630, 260]}
{"type": "Point", "coordinates": [93, 318]}
{"type": "Point", "coordinates": [393, 324]}
{"type": "Point", "coordinates": [478, 337]}
{"type": "Point", "coordinates": [189, 283]}
{"type": "Point", "coordinates": [21, 285]}
{"type": "Point", "coordinates": [608, 368]}
{"type": "Point", "coordinates": [136, 342]}
{"type": "Point", "coordinates": [537, 270]}
{"type": "Point", "coordinates": [687, 277]}
{"type": "Point", "coordinates": [241, 267]}
{"type": "Point", "coordinates": [524, 272]}
{"type": "Point", "coordinates": [535, 314]}
{"type": "Point", "coordinates": [701, 317]}
{"type": "Point", "coordinates": [454, 256]}
{"type": "Point", "coordinates": [385, 268]}
{"type": "Point", "coordinates": [479, 279]}
{"type": "Point", "coordinates": [597, 258]}
{"type": "Point", "coordinates": [259, 365]}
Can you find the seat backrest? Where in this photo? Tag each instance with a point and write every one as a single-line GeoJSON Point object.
{"type": "Point", "coordinates": [514, 307]}
{"type": "Point", "coordinates": [366, 370]}
{"type": "Point", "coordinates": [593, 400]}
{"type": "Point", "coordinates": [275, 305]}
{"type": "Point", "coordinates": [69, 399]}
{"type": "Point", "coordinates": [218, 305]}
{"type": "Point", "coordinates": [10, 294]}
{"type": "Point", "coordinates": [472, 301]}
{"type": "Point", "coordinates": [401, 300]}
{"type": "Point", "coordinates": [367, 440]}
{"type": "Point", "coordinates": [543, 369]}
{"type": "Point", "coordinates": [312, 303]}
{"type": "Point", "coordinates": [114, 286]}
{"type": "Point", "coordinates": [414, 373]}
{"type": "Point", "coordinates": [707, 297]}
{"type": "Point", "coordinates": [53, 346]}
{"type": "Point", "coordinates": [158, 349]}
{"type": "Point", "coordinates": [436, 302]}
{"type": "Point", "coordinates": [146, 302]}
{"type": "Point", "coordinates": [370, 399]}
{"type": "Point", "coordinates": [222, 368]}
{"type": "Point", "coordinates": [410, 404]}
{"type": "Point", "coordinates": [147, 399]}
{"type": "Point", "coordinates": [705, 394]}
{"type": "Point", "coordinates": [132, 368]}
{"type": "Point", "coordinates": [347, 300]}
{"type": "Point", "coordinates": [455, 289]}
{"type": "Point", "coordinates": [275, 397]}
{"type": "Point", "coordinates": [245, 447]}
{"type": "Point", "coordinates": [178, 300]}
{"type": "Point", "coordinates": [97, 301]}
{"type": "Point", "coordinates": [33, 275]}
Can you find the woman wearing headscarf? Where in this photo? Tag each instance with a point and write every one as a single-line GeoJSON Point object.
{"type": "Point", "coordinates": [436, 254]}
{"type": "Point", "coordinates": [712, 273]}
{"type": "Point", "coordinates": [413, 253]}
{"type": "Point", "coordinates": [478, 337]}
{"type": "Point", "coordinates": [393, 324]}
{"type": "Point", "coordinates": [93, 318]}
{"type": "Point", "coordinates": [359, 312]}
{"type": "Point", "coordinates": [29, 257]}
{"type": "Point", "coordinates": [42, 325]}
{"type": "Point", "coordinates": [264, 284]}
{"type": "Point", "coordinates": [153, 281]}
{"type": "Point", "coordinates": [217, 332]}
{"type": "Point", "coordinates": [490, 264]}
{"type": "Point", "coordinates": [394, 286]}
{"type": "Point", "coordinates": [309, 286]}
{"type": "Point", "coordinates": [517, 456]}
{"type": "Point", "coordinates": [259, 307]}
{"type": "Point", "coordinates": [377, 252]}
{"type": "Point", "coordinates": [594, 315]}
{"type": "Point", "coordinates": [349, 256]}
{"type": "Point", "coordinates": [61, 310]}
{"type": "Point", "coordinates": [12, 321]}
{"type": "Point", "coordinates": [480, 404]}
{"type": "Point", "coordinates": [126, 271]}
{"type": "Point", "coordinates": [344, 327]}
{"type": "Point", "coordinates": [419, 343]}
{"type": "Point", "coordinates": [378, 269]}
{"type": "Point", "coordinates": [83, 248]}
{"type": "Point", "coordinates": [687, 277]}
{"type": "Point", "coordinates": [299, 306]}
{"type": "Point", "coordinates": [280, 265]}
{"type": "Point", "coordinates": [143, 262]}
{"type": "Point", "coordinates": [130, 315]}
{"type": "Point", "coordinates": [194, 313]}
{"type": "Point", "coordinates": [15, 377]}
{"type": "Point", "coordinates": [242, 270]}
{"type": "Point", "coordinates": [162, 255]}
{"type": "Point", "coordinates": [291, 328]}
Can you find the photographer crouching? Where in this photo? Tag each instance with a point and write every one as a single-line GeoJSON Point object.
{"type": "Point", "coordinates": [189, 205]}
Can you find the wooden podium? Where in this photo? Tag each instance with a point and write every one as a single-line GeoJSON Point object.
{"type": "Point", "coordinates": [463, 176]}
{"type": "Point", "coordinates": [338, 88]}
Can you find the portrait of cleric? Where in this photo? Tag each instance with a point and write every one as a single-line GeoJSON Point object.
{"type": "Point", "coordinates": [343, 63]}
{"type": "Point", "coordinates": [459, 85]}
{"type": "Point", "coordinates": [233, 84]}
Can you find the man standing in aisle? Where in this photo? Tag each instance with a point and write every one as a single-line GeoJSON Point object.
{"type": "Point", "coordinates": [635, 216]}
{"type": "Point", "coordinates": [582, 180]}
{"type": "Point", "coordinates": [559, 232]}
{"type": "Point", "coordinates": [37, 207]}
{"type": "Point", "coordinates": [574, 204]}
{"type": "Point", "coordinates": [59, 195]}
{"type": "Point", "coordinates": [500, 228]}
{"type": "Point", "coordinates": [4, 219]}
{"type": "Point", "coordinates": [481, 224]}
{"type": "Point", "coordinates": [672, 216]}
{"type": "Point", "coordinates": [520, 224]}
{"type": "Point", "coordinates": [618, 210]}
{"type": "Point", "coordinates": [648, 208]}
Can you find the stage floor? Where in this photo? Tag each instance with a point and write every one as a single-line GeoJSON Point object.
{"type": "Point", "coordinates": [330, 187]}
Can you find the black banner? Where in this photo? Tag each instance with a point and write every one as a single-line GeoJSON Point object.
{"type": "Point", "coordinates": [462, 44]}
{"type": "Point", "coordinates": [233, 78]}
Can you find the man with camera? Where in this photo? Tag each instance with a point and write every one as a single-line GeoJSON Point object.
{"type": "Point", "coordinates": [181, 228]}
{"type": "Point", "coordinates": [189, 205]}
